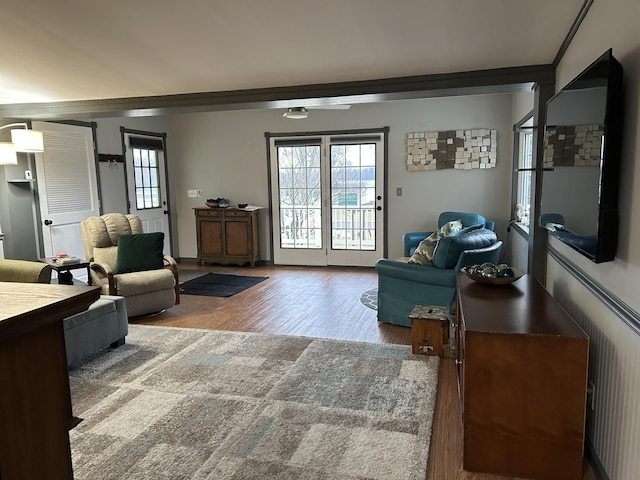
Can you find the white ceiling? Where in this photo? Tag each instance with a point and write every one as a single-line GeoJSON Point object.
{"type": "Point", "coordinates": [79, 50]}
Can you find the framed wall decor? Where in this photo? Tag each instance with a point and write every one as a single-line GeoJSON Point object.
{"type": "Point", "coordinates": [459, 149]}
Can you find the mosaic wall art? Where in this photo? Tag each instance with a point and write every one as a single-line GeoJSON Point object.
{"type": "Point", "coordinates": [460, 149]}
{"type": "Point", "coordinates": [573, 146]}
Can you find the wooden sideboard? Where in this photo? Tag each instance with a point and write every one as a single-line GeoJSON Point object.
{"type": "Point", "coordinates": [522, 372]}
{"type": "Point", "coordinates": [227, 235]}
{"type": "Point", "coordinates": [35, 402]}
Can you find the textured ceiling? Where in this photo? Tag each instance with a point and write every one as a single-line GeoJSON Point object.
{"type": "Point", "coordinates": [78, 50]}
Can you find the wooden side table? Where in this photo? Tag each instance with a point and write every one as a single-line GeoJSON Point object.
{"type": "Point", "coordinates": [65, 276]}
{"type": "Point", "coordinates": [430, 331]}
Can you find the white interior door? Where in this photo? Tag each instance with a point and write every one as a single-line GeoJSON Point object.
{"type": "Point", "coordinates": [327, 200]}
{"type": "Point", "coordinates": [146, 184]}
{"type": "Point", "coordinates": [67, 186]}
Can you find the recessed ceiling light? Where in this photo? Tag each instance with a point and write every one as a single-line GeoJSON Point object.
{"type": "Point", "coordinates": [296, 112]}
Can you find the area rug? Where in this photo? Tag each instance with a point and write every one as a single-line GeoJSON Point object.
{"type": "Point", "coordinates": [219, 284]}
{"type": "Point", "coordinates": [370, 299]}
{"type": "Point", "coordinates": [176, 403]}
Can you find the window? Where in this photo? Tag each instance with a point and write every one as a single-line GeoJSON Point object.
{"type": "Point", "coordinates": [523, 163]}
{"type": "Point", "coordinates": [146, 177]}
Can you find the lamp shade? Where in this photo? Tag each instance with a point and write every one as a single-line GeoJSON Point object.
{"type": "Point", "coordinates": [27, 140]}
{"type": "Point", "coordinates": [8, 154]}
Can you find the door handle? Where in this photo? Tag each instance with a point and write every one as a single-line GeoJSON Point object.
{"type": "Point", "coordinates": [48, 222]}
{"type": "Point", "coordinates": [166, 212]}
{"type": "Point", "coordinates": [378, 208]}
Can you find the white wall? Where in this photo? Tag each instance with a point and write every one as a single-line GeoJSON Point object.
{"type": "Point", "coordinates": [614, 424]}
{"type": "Point", "coordinates": [224, 155]}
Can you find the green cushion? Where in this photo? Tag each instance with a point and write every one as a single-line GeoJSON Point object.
{"type": "Point", "coordinates": [138, 252]}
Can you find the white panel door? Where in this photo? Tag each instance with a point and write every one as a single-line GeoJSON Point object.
{"type": "Point", "coordinates": [67, 186]}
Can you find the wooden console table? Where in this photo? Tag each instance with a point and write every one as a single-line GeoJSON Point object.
{"type": "Point", "coordinates": [227, 235]}
{"type": "Point", "coordinates": [522, 373]}
{"type": "Point", "coordinates": [35, 402]}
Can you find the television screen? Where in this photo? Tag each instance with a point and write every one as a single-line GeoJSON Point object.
{"type": "Point", "coordinates": [582, 145]}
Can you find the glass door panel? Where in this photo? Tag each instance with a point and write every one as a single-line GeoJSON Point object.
{"type": "Point", "coordinates": [326, 198]}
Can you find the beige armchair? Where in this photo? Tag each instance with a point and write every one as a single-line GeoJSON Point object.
{"type": "Point", "coordinates": [147, 291]}
{"type": "Point", "coordinates": [24, 271]}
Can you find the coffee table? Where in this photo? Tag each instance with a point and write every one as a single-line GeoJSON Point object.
{"type": "Point", "coordinates": [65, 276]}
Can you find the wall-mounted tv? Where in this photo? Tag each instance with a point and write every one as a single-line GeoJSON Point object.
{"type": "Point", "coordinates": [582, 149]}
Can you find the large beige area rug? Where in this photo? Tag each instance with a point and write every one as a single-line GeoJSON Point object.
{"type": "Point", "coordinates": [175, 403]}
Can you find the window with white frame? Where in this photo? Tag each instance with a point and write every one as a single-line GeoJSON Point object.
{"type": "Point", "coordinates": [147, 178]}
{"type": "Point", "coordinates": [523, 172]}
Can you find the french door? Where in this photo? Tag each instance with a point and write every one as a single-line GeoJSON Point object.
{"type": "Point", "coordinates": [327, 199]}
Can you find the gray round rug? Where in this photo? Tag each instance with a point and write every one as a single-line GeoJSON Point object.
{"type": "Point", "coordinates": [370, 299]}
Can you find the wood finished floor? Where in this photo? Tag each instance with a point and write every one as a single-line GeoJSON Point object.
{"type": "Point", "coordinates": [325, 302]}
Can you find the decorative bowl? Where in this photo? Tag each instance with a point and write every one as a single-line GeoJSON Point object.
{"type": "Point", "coordinates": [517, 274]}
{"type": "Point", "coordinates": [243, 205]}
{"type": "Point", "coordinates": [212, 204]}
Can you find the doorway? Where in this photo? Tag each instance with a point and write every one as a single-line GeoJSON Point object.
{"type": "Point", "coordinates": [327, 199]}
{"type": "Point", "coordinates": [146, 181]}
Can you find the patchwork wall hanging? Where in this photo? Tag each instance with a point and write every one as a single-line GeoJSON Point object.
{"type": "Point", "coordinates": [573, 146]}
{"type": "Point", "coordinates": [460, 149]}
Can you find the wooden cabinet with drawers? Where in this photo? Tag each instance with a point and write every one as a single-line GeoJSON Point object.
{"type": "Point", "coordinates": [522, 372]}
{"type": "Point", "coordinates": [227, 235]}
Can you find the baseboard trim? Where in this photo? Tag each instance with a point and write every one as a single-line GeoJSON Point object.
{"type": "Point", "coordinates": [594, 461]}
{"type": "Point", "coordinates": [623, 311]}
{"type": "Point", "coordinates": [194, 261]}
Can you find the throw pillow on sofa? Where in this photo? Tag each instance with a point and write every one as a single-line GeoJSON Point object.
{"type": "Point", "coordinates": [139, 252]}
{"type": "Point", "coordinates": [423, 254]}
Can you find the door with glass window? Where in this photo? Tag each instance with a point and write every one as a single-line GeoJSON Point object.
{"type": "Point", "coordinates": [146, 184]}
{"type": "Point", "coordinates": [327, 199]}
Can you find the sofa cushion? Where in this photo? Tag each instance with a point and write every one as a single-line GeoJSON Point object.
{"type": "Point", "coordinates": [140, 252]}
{"type": "Point", "coordinates": [423, 254]}
{"type": "Point", "coordinates": [138, 283]}
{"type": "Point", "coordinates": [448, 249]}
{"type": "Point", "coordinates": [106, 257]}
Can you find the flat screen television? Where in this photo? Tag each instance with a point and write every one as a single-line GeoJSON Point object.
{"type": "Point", "coordinates": [581, 171]}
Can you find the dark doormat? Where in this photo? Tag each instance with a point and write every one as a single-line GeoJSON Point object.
{"type": "Point", "coordinates": [219, 285]}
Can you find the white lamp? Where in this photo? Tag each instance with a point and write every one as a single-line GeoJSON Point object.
{"type": "Point", "coordinates": [27, 140]}
{"type": "Point", "coordinates": [23, 139]}
{"type": "Point", "coordinates": [8, 154]}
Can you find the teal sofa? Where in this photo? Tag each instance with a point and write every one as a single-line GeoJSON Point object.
{"type": "Point", "coordinates": [402, 286]}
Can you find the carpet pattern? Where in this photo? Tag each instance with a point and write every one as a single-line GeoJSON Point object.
{"type": "Point", "coordinates": [370, 299]}
{"type": "Point", "coordinates": [219, 284]}
{"type": "Point", "coordinates": [176, 403]}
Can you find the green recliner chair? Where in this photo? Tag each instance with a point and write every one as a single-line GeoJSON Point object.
{"type": "Point", "coordinates": [402, 286]}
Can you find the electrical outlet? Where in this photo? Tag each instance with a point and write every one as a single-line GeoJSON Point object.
{"type": "Point", "coordinates": [192, 193]}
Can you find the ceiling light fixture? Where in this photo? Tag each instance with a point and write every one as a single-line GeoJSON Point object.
{"type": "Point", "coordinates": [22, 140]}
{"type": "Point", "coordinates": [296, 112]}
